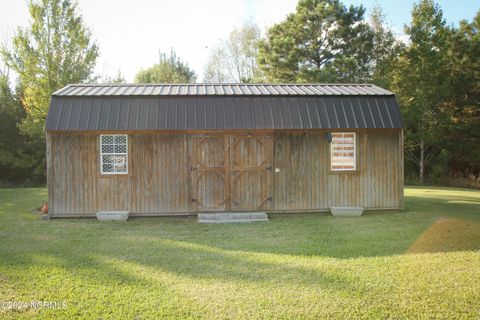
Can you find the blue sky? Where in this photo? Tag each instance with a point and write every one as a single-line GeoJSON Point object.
{"type": "Point", "coordinates": [399, 12]}
{"type": "Point", "coordinates": [131, 33]}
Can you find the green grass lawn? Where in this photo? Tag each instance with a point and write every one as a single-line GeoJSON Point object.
{"type": "Point", "coordinates": [421, 263]}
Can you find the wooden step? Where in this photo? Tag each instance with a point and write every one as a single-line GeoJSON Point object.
{"type": "Point", "coordinates": [232, 217]}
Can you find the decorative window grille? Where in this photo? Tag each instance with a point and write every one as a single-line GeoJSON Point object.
{"type": "Point", "coordinates": [114, 153]}
{"type": "Point", "coordinates": [343, 151]}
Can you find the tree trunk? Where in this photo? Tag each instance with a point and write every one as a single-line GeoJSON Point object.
{"type": "Point", "coordinates": [422, 160]}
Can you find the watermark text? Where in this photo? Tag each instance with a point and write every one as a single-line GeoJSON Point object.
{"type": "Point", "coordinates": [36, 305]}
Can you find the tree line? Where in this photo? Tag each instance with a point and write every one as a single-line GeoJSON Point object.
{"type": "Point", "coordinates": [435, 74]}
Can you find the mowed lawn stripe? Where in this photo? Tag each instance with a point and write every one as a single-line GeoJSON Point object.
{"type": "Point", "coordinates": [420, 263]}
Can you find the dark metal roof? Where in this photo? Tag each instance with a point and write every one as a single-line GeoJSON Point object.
{"type": "Point", "coordinates": [228, 89]}
{"type": "Point", "coordinates": [99, 112]}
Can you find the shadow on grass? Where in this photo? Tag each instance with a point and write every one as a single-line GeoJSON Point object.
{"type": "Point", "coordinates": [80, 265]}
{"type": "Point", "coordinates": [98, 264]}
{"type": "Point", "coordinates": [192, 259]}
{"type": "Point", "coordinates": [240, 258]}
{"type": "Point", "coordinates": [205, 262]}
{"type": "Point", "coordinates": [264, 252]}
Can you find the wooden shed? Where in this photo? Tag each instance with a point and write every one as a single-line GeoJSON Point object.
{"type": "Point", "coordinates": [183, 149]}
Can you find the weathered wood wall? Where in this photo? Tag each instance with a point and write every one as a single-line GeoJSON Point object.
{"type": "Point", "coordinates": [305, 181]}
{"type": "Point", "coordinates": [167, 171]}
{"type": "Point", "coordinates": [157, 181]}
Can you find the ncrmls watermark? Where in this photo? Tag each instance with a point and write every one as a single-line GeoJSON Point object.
{"type": "Point", "coordinates": [37, 305]}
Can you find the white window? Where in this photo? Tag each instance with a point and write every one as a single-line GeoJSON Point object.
{"type": "Point", "coordinates": [114, 153]}
{"type": "Point", "coordinates": [342, 151]}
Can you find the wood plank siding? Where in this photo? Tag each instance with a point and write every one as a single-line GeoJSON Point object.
{"type": "Point", "coordinates": [305, 181]}
{"type": "Point", "coordinates": [157, 181]}
{"type": "Point", "coordinates": [184, 173]}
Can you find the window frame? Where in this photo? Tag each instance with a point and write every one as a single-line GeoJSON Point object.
{"type": "Point", "coordinates": [344, 170]}
{"type": "Point", "coordinates": [101, 153]}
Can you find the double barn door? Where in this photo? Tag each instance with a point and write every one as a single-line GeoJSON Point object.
{"type": "Point", "coordinates": [231, 172]}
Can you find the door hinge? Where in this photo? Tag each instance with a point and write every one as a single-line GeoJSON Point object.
{"type": "Point", "coordinates": [194, 200]}
{"type": "Point", "coordinates": [269, 168]}
{"type": "Point", "coordinates": [269, 199]}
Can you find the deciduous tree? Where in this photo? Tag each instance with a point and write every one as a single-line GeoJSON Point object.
{"type": "Point", "coordinates": [55, 50]}
{"type": "Point", "coordinates": [117, 79]}
{"type": "Point", "coordinates": [15, 161]}
{"type": "Point", "coordinates": [421, 83]}
{"type": "Point", "coordinates": [169, 69]}
{"type": "Point", "coordinates": [385, 51]}
{"type": "Point", "coordinates": [462, 137]}
{"type": "Point", "coordinates": [234, 59]}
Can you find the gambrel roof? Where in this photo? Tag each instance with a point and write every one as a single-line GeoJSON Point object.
{"type": "Point", "coordinates": [122, 107]}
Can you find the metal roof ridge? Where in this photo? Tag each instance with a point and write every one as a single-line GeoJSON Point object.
{"type": "Point", "coordinates": [57, 92]}
{"type": "Point", "coordinates": [222, 83]}
{"type": "Point", "coordinates": [222, 89]}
